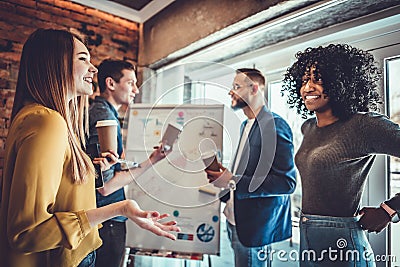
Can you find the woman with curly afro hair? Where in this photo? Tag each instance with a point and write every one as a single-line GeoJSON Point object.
{"type": "Point", "coordinates": [338, 84]}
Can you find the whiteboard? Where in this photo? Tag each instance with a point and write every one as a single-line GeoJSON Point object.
{"type": "Point", "coordinates": [178, 184]}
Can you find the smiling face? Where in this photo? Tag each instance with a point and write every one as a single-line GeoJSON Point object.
{"type": "Point", "coordinates": [312, 92]}
{"type": "Point", "coordinates": [83, 70]}
{"type": "Point", "coordinates": [126, 88]}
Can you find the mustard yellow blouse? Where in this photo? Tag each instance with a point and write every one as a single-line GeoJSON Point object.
{"type": "Point", "coordinates": [43, 220]}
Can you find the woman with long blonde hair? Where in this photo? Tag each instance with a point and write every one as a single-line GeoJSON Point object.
{"type": "Point", "coordinates": [48, 206]}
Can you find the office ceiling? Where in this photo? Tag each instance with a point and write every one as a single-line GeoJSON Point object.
{"type": "Point", "coordinates": [137, 4]}
{"type": "Point", "coordinates": [137, 10]}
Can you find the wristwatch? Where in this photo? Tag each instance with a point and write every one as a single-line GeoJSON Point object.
{"type": "Point", "coordinates": [391, 212]}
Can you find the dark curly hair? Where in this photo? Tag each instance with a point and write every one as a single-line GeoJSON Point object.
{"type": "Point", "coordinates": [349, 78]}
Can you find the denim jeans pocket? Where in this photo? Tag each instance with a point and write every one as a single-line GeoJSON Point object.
{"type": "Point", "coordinates": [366, 253]}
{"type": "Point", "coordinates": [334, 246]}
{"type": "Point", "coordinates": [89, 260]}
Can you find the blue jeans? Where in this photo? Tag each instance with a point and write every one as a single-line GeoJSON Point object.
{"type": "Point", "coordinates": [111, 253]}
{"type": "Point", "coordinates": [89, 260]}
{"type": "Point", "coordinates": [247, 256]}
{"type": "Point", "coordinates": [333, 241]}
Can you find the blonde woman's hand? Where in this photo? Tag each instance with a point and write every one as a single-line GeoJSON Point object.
{"type": "Point", "coordinates": [106, 160]}
{"type": "Point", "coordinates": [150, 220]}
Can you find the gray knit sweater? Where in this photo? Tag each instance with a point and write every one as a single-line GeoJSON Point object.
{"type": "Point", "coordinates": [334, 161]}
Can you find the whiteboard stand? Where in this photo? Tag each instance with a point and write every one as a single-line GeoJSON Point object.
{"type": "Point", "coordinates": [173, 184]}
{"type": "Point", "coordinates": [126, 260]}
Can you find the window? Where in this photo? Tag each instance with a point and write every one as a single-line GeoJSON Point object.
{"type": "Point", "coordinates": [393, 92]}
{"type": "Point", "coordinates": [278, 105]}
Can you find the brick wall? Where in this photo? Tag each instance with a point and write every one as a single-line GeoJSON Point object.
{"type": "Point", "coordinates": [107, 35]}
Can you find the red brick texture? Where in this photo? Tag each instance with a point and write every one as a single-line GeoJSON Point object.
{"type": "Point", "coordinates": [108, 36]}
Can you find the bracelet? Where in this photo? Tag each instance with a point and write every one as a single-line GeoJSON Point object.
{"type": "Point", "coordinates": [391, 212]}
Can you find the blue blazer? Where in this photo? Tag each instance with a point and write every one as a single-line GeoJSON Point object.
{"type": "Point", "coordinates": [266, 176]}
